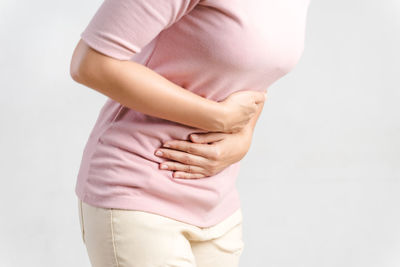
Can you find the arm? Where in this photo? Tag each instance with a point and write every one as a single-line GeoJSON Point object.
{"type": "Point", "coordinates": [138, 87]}
{"type": "Point", "coordinates": [142, 89]}
{"type": "Point", "coordinates": [209, 153]}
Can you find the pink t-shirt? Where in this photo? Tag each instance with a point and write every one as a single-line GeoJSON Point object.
{"type": "Point", "coordinates": [210, 47]}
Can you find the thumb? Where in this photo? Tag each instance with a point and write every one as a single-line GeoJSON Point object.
{"type": "Point", "coordinates": [206, 137]}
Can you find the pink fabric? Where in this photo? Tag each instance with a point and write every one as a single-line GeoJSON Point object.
{"type": "Point", "coordinates": [210, 47]}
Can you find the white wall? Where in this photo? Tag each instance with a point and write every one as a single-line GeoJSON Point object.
{"type": "Point", "coordinates": [319, 187]}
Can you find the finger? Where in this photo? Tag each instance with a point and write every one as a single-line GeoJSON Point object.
{"type": "Point", "coordinates": [182, 157]}
{"type": "Point", "coordinates": [207, 137]}
{"type": "Point", "coordinates": [185, 175]}
{"type": "Point", "coordinates": [207, 151]}
{"type": "Point", "coordinates": [177, 166]}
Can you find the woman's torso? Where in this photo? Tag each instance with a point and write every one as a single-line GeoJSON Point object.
{"type": "Point", "coordinates": [218, 48]}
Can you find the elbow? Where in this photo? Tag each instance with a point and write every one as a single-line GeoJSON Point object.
{"type": "Point", "coordinates": [74, 73]}
{"type": "Point", "coordinates": [78, 76]}
{"type": "Point", "coordinates": [80, 62]}
{"type": "Point", "coordinates": [89, 67]}
{"type": "Point", "coordinates": [75, 69]}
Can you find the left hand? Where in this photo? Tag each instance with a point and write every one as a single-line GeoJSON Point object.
{"type": "Point", "coordinates": [207, 155]}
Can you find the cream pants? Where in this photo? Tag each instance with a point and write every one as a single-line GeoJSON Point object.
{"type": "Point", "coordinates": [132, 238]}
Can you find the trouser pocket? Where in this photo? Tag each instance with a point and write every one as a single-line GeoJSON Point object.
{"type": "Point", "coordinates": [81, 224]}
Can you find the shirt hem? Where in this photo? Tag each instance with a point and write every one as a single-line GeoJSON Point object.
{"type": "Point", "coordinates": [148, 205]}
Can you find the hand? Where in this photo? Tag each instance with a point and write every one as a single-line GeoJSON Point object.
{"type": "Point", "coordinates": [240, 107]}
{"type": "Point", "coordinates": [206, 155]}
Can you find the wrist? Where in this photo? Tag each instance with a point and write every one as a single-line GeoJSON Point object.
{"type": "Point", "coordinates": [219, 116]}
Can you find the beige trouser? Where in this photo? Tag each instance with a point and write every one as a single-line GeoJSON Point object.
{"type": "Point", "coordinates": [132, 238]}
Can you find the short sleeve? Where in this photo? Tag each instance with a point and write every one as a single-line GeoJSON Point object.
{"type": "Point", "coordinates": [121, 28]}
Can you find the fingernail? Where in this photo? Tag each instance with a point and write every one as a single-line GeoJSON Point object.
{"type": "Point", "coordinates": [194, 136]}
{"type": "Point", "coordinates": [163, 166]}
{"type": "Point", "coordinates": [159, 153]}
{"type": "Point", "coordinates": [167, 145]}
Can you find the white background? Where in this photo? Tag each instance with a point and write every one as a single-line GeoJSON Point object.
{"type": "Point", "coordinates": [319, 186]}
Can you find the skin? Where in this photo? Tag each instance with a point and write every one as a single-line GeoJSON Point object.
{"type": "Point", "coordinates": [207, 154]}
{"type": "Point", "coordinates": [135, 85]}
{"type": "Point", "coordinates": [230, 123]}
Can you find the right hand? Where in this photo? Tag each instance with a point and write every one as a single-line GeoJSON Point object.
{"type": "Point", "coordinates": [240, 107]}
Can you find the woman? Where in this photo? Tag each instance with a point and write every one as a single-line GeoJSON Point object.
{"type": "Point", "coordinates": [170, 69]}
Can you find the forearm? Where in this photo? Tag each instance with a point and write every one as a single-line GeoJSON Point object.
{"type": "Point", "coordinates": [142, 89]}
